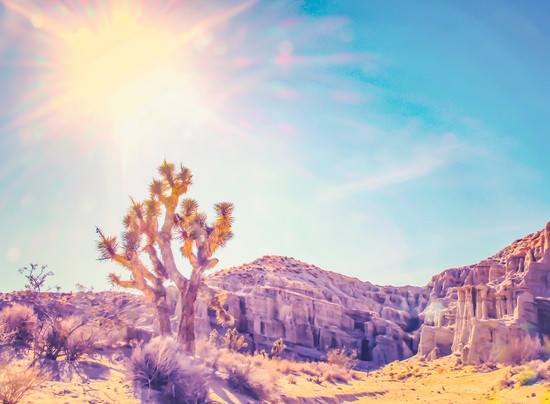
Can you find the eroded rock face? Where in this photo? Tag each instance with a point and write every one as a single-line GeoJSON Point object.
{"type": "Point", "coordinates": [493, 307]}
{"type": "Point", "coordinates": [314, 310]}
{"type": "Point", "coordinates": [473, 311]}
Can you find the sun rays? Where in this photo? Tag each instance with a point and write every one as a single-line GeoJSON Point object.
{"type": "Point", "coordinates": [104, 60]}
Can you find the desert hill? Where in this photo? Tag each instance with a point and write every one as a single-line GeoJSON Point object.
{"type": "Point", "coordinates": [475, 310]}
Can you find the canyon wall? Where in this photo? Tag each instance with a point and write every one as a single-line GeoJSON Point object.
{"type": "Point", "coordinates": [315, 310]}
{"type": "Point", "coordinates": [494, 308]}
{"type": "Point", "coordinates": [483, 312]}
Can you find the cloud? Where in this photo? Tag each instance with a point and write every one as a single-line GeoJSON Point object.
{"type": "Point", "coordinates": [423, 160]}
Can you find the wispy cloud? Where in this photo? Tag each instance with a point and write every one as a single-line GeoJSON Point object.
{"type": "Point", "coordinates": [421, 161]}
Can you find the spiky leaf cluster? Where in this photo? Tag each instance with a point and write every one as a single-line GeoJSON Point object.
{"type": "Point", "coordinates": [200, 238]}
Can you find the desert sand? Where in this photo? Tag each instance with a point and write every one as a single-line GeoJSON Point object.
{"type": "Point", "coordinates": [433, 382]}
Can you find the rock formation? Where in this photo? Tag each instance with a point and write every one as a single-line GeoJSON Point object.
{"type": "Point", "coordinates": [482, 312]}
{"type": "Point", "coordinates": [314, 310]}
{"type": "Point", "coordinates": [494, 307]}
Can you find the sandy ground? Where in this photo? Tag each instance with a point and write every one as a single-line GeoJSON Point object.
{"type": "Point", "coordinates": [435, 382]}
{"type": "Point", "coordinates": [102, 380]}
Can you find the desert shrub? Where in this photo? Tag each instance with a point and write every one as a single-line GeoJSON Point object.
{"type": "Point", "coordinates": [527, 376]}
{"type": "Point", "coordinates": [161, 366]}
{"type": "Point", "coordinates": [256, 376]}
{"type": "Point", "coordinates": [68, 338]}
{"type": "Point", "coordinates": [247, 379]}
{"type": "Point", "coordinates": [543, 370]}
{"type": "Point", "coordinates": [518, 352]}
{"type": "Point", "coordinates": [278, 348]}
{"type": "Point", "coordinates": [336, 374]}
{"type": "Point", "coordinates": [287, 367]}
{"type": "Point", "coordinates": [35, 278]}
{"type": "Point", "coordinates": [15, 384]}
{"type": "Point", "coordinates": [341, 358]}
{"type": "Point", "coordinates": [6, 336]}
{"type": "Point", "coordinates": [317, 379]}
{"type": "Point", "coordinates": [232, 341]}
{"type": "Point", "coordinates": [20, 321]}
{"type": "Point", "coordinates": [209, 352]}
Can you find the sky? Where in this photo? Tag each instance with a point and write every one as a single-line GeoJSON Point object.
{"type": "Point", "coordinates": [386, 141]}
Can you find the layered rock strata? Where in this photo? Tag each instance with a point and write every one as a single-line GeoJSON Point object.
{"type": "Point", "coordinates": [315, 310]}
{"type": "Point", "coordinates": [483, 312]}
{"type": "Point", "coordinates": [495, 308]}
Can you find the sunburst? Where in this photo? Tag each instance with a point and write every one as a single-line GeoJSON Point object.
{"type": "Point", "coordinates": [106, 62]}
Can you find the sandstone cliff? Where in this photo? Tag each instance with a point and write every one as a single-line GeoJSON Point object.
{"type": "Point", "coordinates": [314, 310]}
{"type": "Point", "coordinates": [481, 311]}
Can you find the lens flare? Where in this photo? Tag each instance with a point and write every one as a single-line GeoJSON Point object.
{"type": "Point", "coordinates": [106, 62]}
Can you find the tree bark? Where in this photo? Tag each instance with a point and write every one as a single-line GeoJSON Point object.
{"type": "Point", "coordinates": [163, 315]}
{"type": "Point", "coordinates": [186, 330]}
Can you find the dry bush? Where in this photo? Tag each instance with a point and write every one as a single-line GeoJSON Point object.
{"type": "Point", "coordinates": [19, 320]}
{"type": "Point", "coordinates": [505, 382]}
{"type": "Point", "coordinates": [35, 279]}
{"type": "Point", "coordinates": [329, 372]}
{"type": "Point", "coordinates": [317, 379]}
{"type": "Point", "coordinates": [342, 358]}
{"type": "Point", "coordinates": [527, 349]}
{"type": "Point", "coordinates": [336, 374]}
{"type": "Point", "coordinates": [277, 348]}
{"type": "Point", "coordinates": [161, 366]}
{"type": "Point", "coordinates": [532, 372]}
{"type": "Point", "coordinates": [543, 370]}
{"type": "Point", "coordinates": [68, 338]}
{"type": "Point", "coordinates": [232, 341]}
{"type": "Point", "coordinates": [287, 367]}
{"type": "Point", "coordinates": [527, 376]}
{"type": "Point", "coordinates": [6, 336]}
{"type": "Point", "coordinates": [247, 379]}
{"type": "Point", "coordinates": [255, 376]}
{"type": "Point", "coordinates": [16, 384]}
{"type": "Point", "coordinates": [209, 351]}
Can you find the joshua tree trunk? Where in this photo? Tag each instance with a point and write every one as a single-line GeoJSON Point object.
{"type": "Point", "coordinates": [163, 316]}
{"type": "Point", "coordinates": [186, 331]}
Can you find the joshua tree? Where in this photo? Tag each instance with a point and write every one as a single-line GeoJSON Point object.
{"type": "Point", "coordinates": [199, 240]}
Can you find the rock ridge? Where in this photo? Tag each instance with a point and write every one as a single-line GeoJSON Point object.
{"type": "Point", "coordinates": [475, 311]}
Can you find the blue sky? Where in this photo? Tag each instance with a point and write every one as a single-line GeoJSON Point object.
{"type": "Point", "coordinates": [385, 141]}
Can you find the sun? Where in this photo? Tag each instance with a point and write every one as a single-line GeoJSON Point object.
{"type": "Point", "coordinates": [108, 61]}
{"type": "Point", "coordinates": [118, 64]}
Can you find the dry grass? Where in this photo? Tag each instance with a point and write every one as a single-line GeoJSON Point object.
{"type": "Point", "coordinates": [6, 335]}
{"type": "Point", "coordinates": [342, 358]}
{"type": "Point", "coordinates": [16, 384]}
{"type": "Point", "coordinates": [19, 321]}
{"type": "Point", "coordinates": [161, 366]}
{"type": "Point", "coordinates": [69, 338]}
{"type": "Point", "coordinates": [526, 350]}
{"type": "Point", "coordinates": [255, 376]}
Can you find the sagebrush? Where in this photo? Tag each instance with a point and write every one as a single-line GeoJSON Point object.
{"type": "Point", "coordinates": [161, 366]}
{"type": "Point", "coordinates": [19, 321]}
{"type": "Point", "coordinates": [16, 383]}
{"type": "Point", "coordinates": [69, 338]}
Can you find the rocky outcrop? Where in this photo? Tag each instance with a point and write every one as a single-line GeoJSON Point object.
{"type": "Point", "coordinates": [315, 310]}
{"type": "Point", "coordinates": [475, 311]}
{"type": "Point", "coordinates": [497, 306]}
